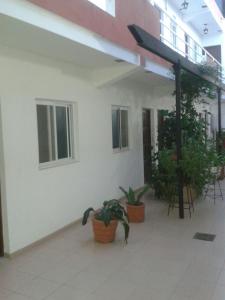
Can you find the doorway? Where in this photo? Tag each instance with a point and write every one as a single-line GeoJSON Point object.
{"type": "Point", "coordinates": [162, 113]}
{"type": "Point", "coordinates": [147, 144]}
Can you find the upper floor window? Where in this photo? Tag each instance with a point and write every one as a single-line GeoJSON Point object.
{"type": "Point", "coordinates": [120, 132]}
{"type": "Point", "coordinates": [187, 45]}
{"type": "Point", "coordinates": [196, 55]}
{"type": "Point", "coordinates": [173, 33]}
{"type": "Point", "coordinates": [162, 20]}
{"type": "Point", "coordinates": [55, 131]}
{"type": "Point", "coordinates": [106, 5]}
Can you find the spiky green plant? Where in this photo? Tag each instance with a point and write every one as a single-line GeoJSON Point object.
{"type": "Point", "coordinates": [132, 198]}
{"type": "Point", "coordinates": [111, 210]}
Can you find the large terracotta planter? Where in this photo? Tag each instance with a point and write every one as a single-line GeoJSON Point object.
{"type": "Point", "coordinates": [136, 213]}
{"type": "Point", "coordinates": [104, 234]}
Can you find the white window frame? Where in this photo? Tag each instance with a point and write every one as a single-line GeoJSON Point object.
{"type": "Point", "coordinates": [120, 148]}
{"type": "Point", "coordinates": [162, 29]}
{"type": "Point", "coordinates": [173, 33]}
{"type": "Point", "coordinates": [73, 149]}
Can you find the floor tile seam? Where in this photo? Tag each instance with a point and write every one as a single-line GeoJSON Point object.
{"type": "Point", "coordinates": [16, 291]}
{"type": "Point", "coordinates": [43, 279]}
{"type": "Point", "coordinates": [93, 291]}
{"type": "Point", "coordinates": [55, 281]}
{"type": "Point", "coordinates": [53, 292]}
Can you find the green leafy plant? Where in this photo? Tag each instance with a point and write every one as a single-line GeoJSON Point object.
{"type": "Point", "coordinates": [198, 153]}
{"type": "Point", "coordinates": [197, 161]}
{"type": "Point", "coordinates": [132, 197]}
{"type": "Point", "coordinates": [164, 174]}
{"type": "Point", "coordinates": [111, 210]}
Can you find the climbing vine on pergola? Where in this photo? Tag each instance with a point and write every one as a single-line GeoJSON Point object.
{"type": "Point", "coordinates": [180, 63]}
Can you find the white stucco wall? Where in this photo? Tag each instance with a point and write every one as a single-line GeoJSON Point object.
{"type": "Point", "coordinates": [39, 202]}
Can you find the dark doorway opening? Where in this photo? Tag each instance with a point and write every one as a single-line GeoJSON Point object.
{"type": "Point", "coordinates": [162, 113]}
{"type": "Point", "coordinates": [147, 144]}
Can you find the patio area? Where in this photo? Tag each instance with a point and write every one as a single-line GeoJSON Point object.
{"type": "Point", "coordinates": [161, 261]}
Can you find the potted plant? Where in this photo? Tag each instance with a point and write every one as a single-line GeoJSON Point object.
{"type": "Point", "coordinates": [105, 221]}
{"type": "Point", "coordinates": [135, 208]}
{"type": "Point", "coordinates": [164, 175]}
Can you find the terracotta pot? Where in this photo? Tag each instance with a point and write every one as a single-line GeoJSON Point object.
{"type": "Point", "coordinates": [104, 234]}
{"type": "Point", "coordinates": [136, 213]}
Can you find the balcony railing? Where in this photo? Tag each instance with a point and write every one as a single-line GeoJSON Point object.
{"type": "Point", "coordinates": [177, 38]}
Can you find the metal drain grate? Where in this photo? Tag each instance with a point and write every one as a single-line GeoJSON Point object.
{"type": "Point", "coordinates": [204, 236]}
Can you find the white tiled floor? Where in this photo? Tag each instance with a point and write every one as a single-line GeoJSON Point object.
{"type": "Point", "coordinates": [160, 262]}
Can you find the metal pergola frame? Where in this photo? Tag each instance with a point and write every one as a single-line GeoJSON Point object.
{"type": "Point", "coordinates": [154, 45]}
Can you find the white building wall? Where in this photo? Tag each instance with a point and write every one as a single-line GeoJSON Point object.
{"type": "Point", "coordinates": [39, 202]}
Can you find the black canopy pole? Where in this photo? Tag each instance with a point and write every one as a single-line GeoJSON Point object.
{"type": "Point", "coordinates": [219, 119]}
{"type": "Point", "coordinates": [177, 70]}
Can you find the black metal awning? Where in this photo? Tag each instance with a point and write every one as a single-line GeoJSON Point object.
{"type": "Point", "coordinates": [154, 45]}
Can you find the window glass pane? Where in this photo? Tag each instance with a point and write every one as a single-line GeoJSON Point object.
{"type": "Point", "coordinates": [69, 131]}
{"type": "Point", "coordinates": [45, 133]}
{"type": "Point", "coordinates": [52, 133]}
{"type": "Point", "coordinates": [173, 29]}
{"type": "Point", "coordinates": [116, 128]}
{"type": "Point", "coordinates": [61, 129]}
{"type": "Point", "coordinates": [161, 25]}
{"type": "Point", "coordinates": [124, 128]}
{"type": "Point", "coordinates": [99, 3]}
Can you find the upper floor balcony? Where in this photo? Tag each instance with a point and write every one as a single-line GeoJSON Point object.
{"type": "Point", "coordinates": [176, 37]}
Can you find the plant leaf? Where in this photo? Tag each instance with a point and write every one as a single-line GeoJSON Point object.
{"type": "Point", "coordinates": [126, 230]}
{"type": "Point", "coordinates": [132, 200]}
{"type": "Point", "coordinates": [86, 215]}
{"type": "Point", "coordinates": [142, 192]}
{"type": "Point", "coordinates": [124, 191]}
{"type": "Point", "coordinates": [106, 215]}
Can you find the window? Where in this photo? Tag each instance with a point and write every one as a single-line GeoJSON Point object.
{"type": "Point", "coordinates": [162, 25]}
{"type": "Point", "coordinates": [187, 44]}
{"type": "Point", "coordinates": [54, 120]}
{"type": "Point", "coordinates": [173, 33]}
{"type": "Point", "coordinates": [106, 5]}
{"type": "Point", "coordinates": [195, 52]}
{"type": "Point", "coordinates": [120, 133]}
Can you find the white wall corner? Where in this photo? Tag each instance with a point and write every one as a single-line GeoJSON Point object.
{"type": "Point", "coordinates": [107, 76]}
{"type": "Point", "coordinates": [158, 69]}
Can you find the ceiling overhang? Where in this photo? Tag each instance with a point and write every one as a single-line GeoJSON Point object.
{"type": "Point", "coordinates": [198, 13]}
